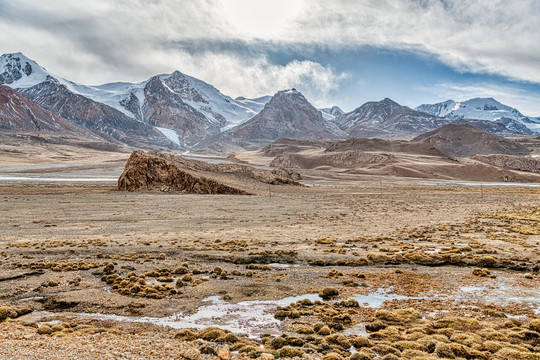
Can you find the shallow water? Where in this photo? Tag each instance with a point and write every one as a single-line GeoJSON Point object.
{"type": "Point", "coordinates": [255, 318]}
{"type": "Point", "coordinates": [56, 179]}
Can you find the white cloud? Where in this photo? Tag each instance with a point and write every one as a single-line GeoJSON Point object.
{"type": "Point", "coordinates": [252, 77]}
{"type": "Point", "coordinates": [488, 36]}
{"type": "Point", "coordinates": [99, 41]}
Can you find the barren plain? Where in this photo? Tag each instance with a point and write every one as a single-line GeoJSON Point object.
{"type": "Point", "coordinates": [345, 267]}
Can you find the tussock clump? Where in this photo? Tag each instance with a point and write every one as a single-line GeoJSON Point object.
{"type": "Point", "coordinates": [8, 312]}
{"type": "Point", "coordinates": [329, 293]}
{"type": "Point", "coordinates": [289, 351]}
{"type": "Point", "coordinates": [325, 330]}
{"type": "Point", "coordinates": [338, 339]}
{"type": "Point", "coordinates": [210, 334]}
{"type": "Point", "coordinates": [482, 272]}
{"type": "Point", "coordinates": [467, 352]}
{"type": "Point", "coordinates": [458, 323]}
{"type": "Point", "coordinates": [444, 351]}
{"type": "Point", "coordinates": [363, 354]}
{"type": "Point", "coordinates": [185, 335]}
{"type": "Point", "coordinates": [534, 325]}
{"type": "Point", "coordinates": [384, 349]}
{"type": "Point", "coordinates": [512, 354]}
{"type": "Point", "coordinates": [360, 342]}
{"type": "Point", "coordinates": [332, 356]}
{"type": "Point", "coordinates": [400, 316]}
{"type": "Point", "coordinates": [304, 330]}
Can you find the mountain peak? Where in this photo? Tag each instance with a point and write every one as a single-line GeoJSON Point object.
{"type": "Point", "coordinates": [19, 71]}
{"type": "Point", "coordinates": [389, 101]}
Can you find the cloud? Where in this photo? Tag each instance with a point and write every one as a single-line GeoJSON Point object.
{"type": "Point", "coordinates": [256, 76]}
{"type": "Point", "coordinates": [100, 41]}
{"type": "Point", "coordinates": [485, 36]}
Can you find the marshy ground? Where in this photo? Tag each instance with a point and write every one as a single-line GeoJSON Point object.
{"type": "Point", "coordinates": [334, 270]}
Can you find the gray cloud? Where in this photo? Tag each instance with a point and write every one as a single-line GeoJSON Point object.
{"type": "Point", "coordinates": [98, 41]}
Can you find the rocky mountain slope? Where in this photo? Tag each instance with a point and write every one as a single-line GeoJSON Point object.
{"type": "Point", "coordinates": [287, 114]}
{"type": "Point", "coordinates": [387, 119]}
{"type": "Point", "coordinates": [58, 96]}
{"type": "Point", "coordinates": [22, 115]}
{"type": "Point", "coordinates": [466, 140]}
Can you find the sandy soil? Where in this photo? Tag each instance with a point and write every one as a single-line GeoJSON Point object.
{"type": "Point", "coordinates": [71, 251]}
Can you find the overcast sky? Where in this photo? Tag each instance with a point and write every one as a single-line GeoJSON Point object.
{"type": "Point", "coordinates": [339, 52]}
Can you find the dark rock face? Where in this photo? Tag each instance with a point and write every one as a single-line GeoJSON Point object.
{"type": "Point", "coordinates": [466, 140]}
{"type": "Point", "coordinates": [102, 119]}
{"type": "Point", "coordinates": [165, 108]}
{"type": "Point", "coordinates": [156, 171]}
{"type": "Point", "coordinates": [14, 69]}
{"type": "Point", "coordinates": [287, 114]}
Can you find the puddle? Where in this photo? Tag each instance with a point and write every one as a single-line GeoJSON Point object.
{"type": "Point", "coordinates": [377, 299]}
{"type": "Point", "coordinates": [281, 266]}
{"type": "Point", "coordinates": [358, 329]}
{"type": "Point", "coordinates": [251, 318]}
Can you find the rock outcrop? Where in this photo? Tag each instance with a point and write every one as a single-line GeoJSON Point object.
{"type": "Point", "coordinates": [154, 171]}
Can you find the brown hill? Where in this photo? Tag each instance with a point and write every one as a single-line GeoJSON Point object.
{"type": "Point", "coordinates": [401, 146]}
{"type": "Point", "coordinates": [342, 160]}
{"type": "Point", "coordinates": [466, 140]}
{"type": "Point", "coordinates": [510, 162]}
{"type": "Point", "coordinates": [18, 114]}
{"type": "Point", "coordinates": [154, 171]}
{"type": "Point", "coordinates": [288, 145]}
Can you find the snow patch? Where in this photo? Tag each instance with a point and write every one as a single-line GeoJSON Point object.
{"type": "Point", "coordinates": [170, 134]}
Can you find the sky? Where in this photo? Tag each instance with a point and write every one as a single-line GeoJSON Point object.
{"type": "Point", "coordinates": [339, 52]}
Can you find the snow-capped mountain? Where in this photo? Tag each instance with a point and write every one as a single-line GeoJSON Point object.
{"type": "Point", "coordinates": [387, 118]}
{"type": "Point", "coordinates": [331, 112]}
{"type": "Point", "coordinates": [479, 108]}
{"type": "Point", "coordinates": [216, 108]}
{"type": "Point", "coordinates": [18, 71]}
{"type": "Point", "coordinates": [180, 108]}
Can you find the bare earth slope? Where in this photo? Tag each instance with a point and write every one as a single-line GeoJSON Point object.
{"type": "Point", "coordinates": [387, 158]}
{"type": "Point", "coordinates": [465, 140]}
{"type": "Point", "coordinates": [510, 162]}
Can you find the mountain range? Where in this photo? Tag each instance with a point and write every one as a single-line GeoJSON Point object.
{"type": "Point", "coordinates": [181, 113]}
